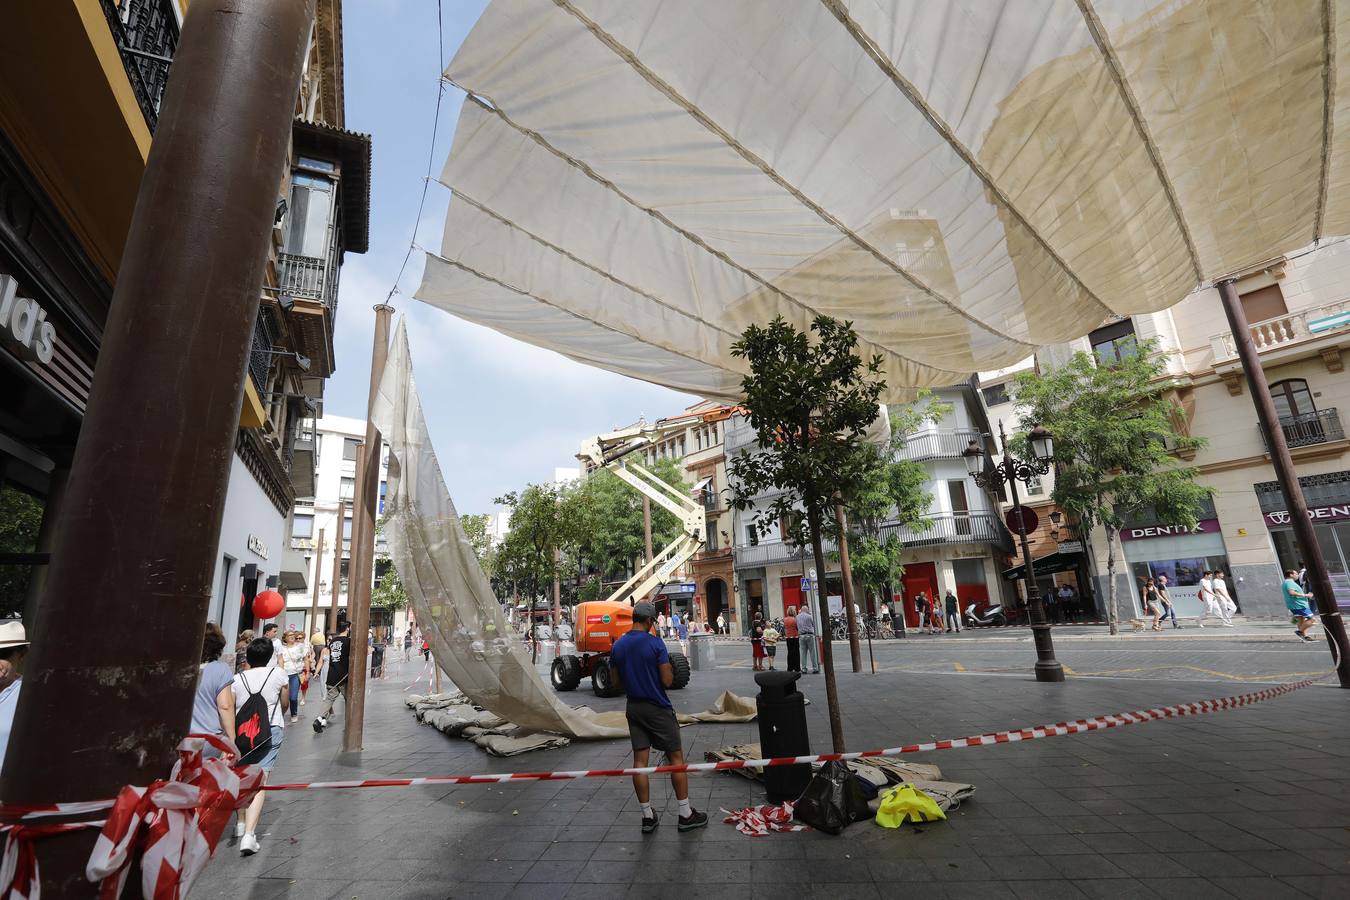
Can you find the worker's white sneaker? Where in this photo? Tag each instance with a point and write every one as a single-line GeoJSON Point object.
{"type": "Point", "coordinates": [248, 845]}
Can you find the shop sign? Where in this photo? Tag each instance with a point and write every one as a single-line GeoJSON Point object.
{"type": "Point", "coordinates": [257, 546]}
{"type": "Point", "coordinates": [23, 323]}
{"type": "Point", "coordinates": [1316, 513]}
{"type": "Point", "coordinates": [1144, 532]}
{"type": "Point", "coordinates": [679, 587]}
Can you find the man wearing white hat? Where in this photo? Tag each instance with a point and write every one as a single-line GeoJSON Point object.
{"type": "Point", "coordinates": [13, 648]}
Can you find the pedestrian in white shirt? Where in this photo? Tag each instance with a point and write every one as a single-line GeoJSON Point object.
{"type": "Point", "coordinates": [13, 648]}
{"type": "Point", "coordinates": [1208, 605]}
{"type": "Point", "coordinates": [267, 681]}
{"type": "Point", "coordinates": [1224, 599]}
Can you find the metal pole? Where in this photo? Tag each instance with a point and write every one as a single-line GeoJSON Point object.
{"type": "Point", "coordinates": [330, 618]}
{"type": "Point", "coordinates": [142, 514]}
{"type": "Point", "coordinates": [1047, 667]}
{"type": "Point", "coordinates": [1322, 591]}
{"type": "Point", "coordinates": [846, 575]}
{"type": "Point", "coordinates": [314, 601]}
{"type": "Point", "coordinates": [362, 567]}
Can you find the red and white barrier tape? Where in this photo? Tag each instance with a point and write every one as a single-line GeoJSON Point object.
{"type": "Point", "coordinates": [1078, 726]}
{"type": "Point", "coordinates": [759, 821]}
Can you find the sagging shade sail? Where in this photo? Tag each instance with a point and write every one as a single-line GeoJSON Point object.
{"type": "Point", "coordinates": [636, 181]}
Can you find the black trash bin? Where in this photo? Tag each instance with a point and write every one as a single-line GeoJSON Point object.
{"type": "Point", "coordinates": [782, 732]}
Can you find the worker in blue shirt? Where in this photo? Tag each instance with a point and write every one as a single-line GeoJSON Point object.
{"type": "Point", "coordinates": [641, 667]}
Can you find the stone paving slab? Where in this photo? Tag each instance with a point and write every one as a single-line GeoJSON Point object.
{"type": "Point", "coordinates": [1242, 803]}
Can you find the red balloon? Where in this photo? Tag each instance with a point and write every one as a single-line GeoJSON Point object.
{"type": "Point", "coordinates": [268, 605]}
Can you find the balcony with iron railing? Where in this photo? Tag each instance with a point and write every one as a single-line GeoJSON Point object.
{"type": "Point", "coordinates": [1288, 330]}
{"type": "Point", "coordinates": [772, 553]}
{"type": "Point", "coordinates": [146, 33]}
{"type": "Point", "coordinates": [1320, 427]}
{"type": "Point", "coordinates": [953, 528]}
{"type": "Point", "coordinates": [261, 353]}
{"type": "Point", "coordinates": [947, 444]}
{"type": "Point", "coordinates": [739, 435]}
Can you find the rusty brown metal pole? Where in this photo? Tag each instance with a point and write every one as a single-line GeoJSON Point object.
{"type": "Point", "coordinates": [846, 575]}
{"type": "Point", "coordinates": [1318, 579]}
{"type": "Point", "coordinates": [362, 567]}
{"type": "Point", "coordinates": [330, 618]}
{"type": "Point", "coordinates": [142, 513]}
{"type": "Point", "coordinates": [314, 601]}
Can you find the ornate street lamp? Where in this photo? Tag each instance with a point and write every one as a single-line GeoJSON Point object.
{"type": "Point", "coordinates": [1011, 471]}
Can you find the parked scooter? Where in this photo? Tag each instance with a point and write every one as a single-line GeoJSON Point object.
{"type": "Point", "coordinates": [992, 616]}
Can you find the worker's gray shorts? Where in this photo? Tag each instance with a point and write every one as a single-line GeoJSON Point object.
{"type": "Point", "coordinates": [652, 725]}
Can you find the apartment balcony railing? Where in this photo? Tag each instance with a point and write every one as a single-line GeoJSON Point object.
{"type": "Point", "coordinates": [260, 356]}
{"type": "Point", "coordinates": [146, 33]}
{"type": "Point", "coordinates": [1287, 329]}
{"type": "Point", "coordinates": [309, 277]}
{"type": "Point", "coordinates": [954, 528]}
{"type": "Point", "coordinates": [772, 553]}
{"type": "Point", "coordinates": [1318, 427]}
{"type": "Point", "coordinates": [739, 436]}
{"type": "Point", "coordinates": [938, 444]}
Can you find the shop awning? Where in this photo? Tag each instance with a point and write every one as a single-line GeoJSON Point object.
{"type": "Point", "coordinates": [636, 181]}
{"type": "Point", "coordinates": [1050, 564]}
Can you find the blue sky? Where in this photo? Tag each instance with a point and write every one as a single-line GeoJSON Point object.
{"type": "Point", "coordinates": [501, 413]}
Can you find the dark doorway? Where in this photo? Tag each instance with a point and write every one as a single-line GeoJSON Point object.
{"type": "Point", "coordinates": [715, 589]}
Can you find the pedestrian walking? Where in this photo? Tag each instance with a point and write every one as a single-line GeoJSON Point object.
{"type": "Point", "coordinates": [1152, 605]}
{"type": "Point", "coordinates": [1296, 600]}
{"type": "Point", "coordinates": [921, 609]}
{"type": "Point", "coordinates": [213, 702]}
{"type": "Point", "coordinates": [241, 649]}
{"type": "Point", "coordinates": [953, 612]}
{"type": "Point", "coordinates": [294, 654]}
{"type": "Point", "coordinates": [757, 643]}
{"type": "Point", "coordinates": [807, 640]}
{"type": "Point", "coordinates": [1208, 606]}
{"type": "Point", "coordinates": [663, 625]}
{"type": "Point", "coordinates": [721, 624]}
{"type": "Point", "coordinates": [1164, 591]}
{"type": "Point", "coordinates": [641, 666]}
{"type": "Point", "coordinates": [682, 629]}
{"type": "Point", "coordinates": [792, 637]}
{"type": "Point", "coordinates": [13, 649]}
{"type": "Point", "coordinates": [260, 728]}
{"type": "Point", "coordinates": [771, 636]}
{"type": "Point", "coordinates": [1169, 609]}
{"type": "Point", "coordinates": [1066, 602]}
{"type": "Point", "coordinates": [1223, 598]}
{"type": "Point", "coordinates": [278, 648]}
{"type": "Point", "coordinates": [407, 645]}
{"type": "Point", "coordinates": [338, 655]}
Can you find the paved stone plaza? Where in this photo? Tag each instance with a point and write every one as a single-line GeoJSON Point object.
{"type": "Point", "coordinates": [1243, 803]}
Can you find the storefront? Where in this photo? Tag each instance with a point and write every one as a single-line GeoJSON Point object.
{"type": "Point", "coordinates": [1331, 524]}
{"type": "Point", "coordinates": [53, 304]}
{"type": "Point", "coordinates": [1182, 554]}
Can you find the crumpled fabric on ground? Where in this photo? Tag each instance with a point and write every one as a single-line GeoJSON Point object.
{"type": "Point", "coordinates": [906, 803]}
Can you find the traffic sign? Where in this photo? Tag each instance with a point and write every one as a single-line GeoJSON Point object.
{"type": "Point", "coordinates": [1029, 520]}
{"type": "Point", "coordinates": [806, 585]}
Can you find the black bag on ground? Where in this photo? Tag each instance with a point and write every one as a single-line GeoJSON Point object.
{"type": "Point", "coordinates": [832, 800]}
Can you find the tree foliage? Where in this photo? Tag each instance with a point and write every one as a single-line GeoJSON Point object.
{"type": "Point", "coordinates": [20, 521]}
{"type": "Point", "coordinates": [810, 399]}
{"type": "Point", "coordinates": [1116, 436]}
{"type": "Point", "coordinates": [389, 593]}
{"type": "Point", "coordinates": [546, 521]}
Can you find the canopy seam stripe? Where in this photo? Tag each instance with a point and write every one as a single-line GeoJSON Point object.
{"type": "Point", "coordinates": [698, 115]}
{"type": "Point", "coordinates": [585, 169]}
{"type": "Point", "coordinates": [524, 293]}
{"type": "Point", "coordinates": [1328, 112]}
{"type": "Point", "coordinates": [1127, 96]}
{"type": "Point", "coordinates": [665, 304]}
{"type": "Point", "coordinates": [944, 131]}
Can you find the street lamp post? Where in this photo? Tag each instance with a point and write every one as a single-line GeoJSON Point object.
{"type": "Point", "coordinates": [1011, 471]}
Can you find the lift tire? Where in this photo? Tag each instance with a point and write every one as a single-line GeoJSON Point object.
{"type": "Point", "coordinates": [602, 680]}
{"type": "Point", "coordinates": [680, 663]}
{"type": "Point", "coordinates": [565, 673]}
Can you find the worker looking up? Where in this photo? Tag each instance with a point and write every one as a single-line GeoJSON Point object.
{"type": "Point", "coordinates": [641, 666]}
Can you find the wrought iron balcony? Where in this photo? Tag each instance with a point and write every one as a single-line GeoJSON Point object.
{"type": "Point", "coordinates": [954, 528]}
{"type": "Point", "coordinates": [146, 32]}
{"type": "Point", "coordinates": [260, 357]}
{"type": "Point", "coordinates": [938, 444]}
{"type": "Point", "coordinates": [1318, 427]}
{"type": "Point", "coordinates": [739, 435]}
{"type": "Point", "coordinates": [1288, 329]}
{"type": "Point", "coordinates": [772, 553]}
{"type": "Point", "coordinates": [309, 277]}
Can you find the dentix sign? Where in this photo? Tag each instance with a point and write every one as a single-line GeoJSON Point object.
{"type": "Point", "coordinates": [24, 323]}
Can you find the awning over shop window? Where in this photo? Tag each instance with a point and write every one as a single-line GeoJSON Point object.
{"type": "Point", "coordinates": [636, 181]}
{"type": "Point", "coordinates": [1050, 564]}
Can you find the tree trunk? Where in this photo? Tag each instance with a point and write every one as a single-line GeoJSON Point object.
{"type": "Point", "coordinates": [1112, 609]}
{"type": "Point", "coordinates": [846, 576]}
{"type": "Point", "coordinates": [831, 694]}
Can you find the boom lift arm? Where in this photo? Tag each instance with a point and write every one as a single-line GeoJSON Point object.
{"type": "Point", "coordinates": [607, 451]}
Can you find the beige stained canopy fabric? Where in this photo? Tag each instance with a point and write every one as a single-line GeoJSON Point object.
{"type": "Point", "coordinates": [636, 181]}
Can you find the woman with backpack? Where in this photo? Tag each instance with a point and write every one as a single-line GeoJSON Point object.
{"type": "Point", "coordinates": [260, 703]}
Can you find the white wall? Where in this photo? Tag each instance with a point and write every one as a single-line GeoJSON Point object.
{"type": "Point", "coordinates": [248, 511]}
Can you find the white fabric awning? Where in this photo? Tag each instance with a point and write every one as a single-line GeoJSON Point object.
{"type": "Point", "coordinates": [636, 181]}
